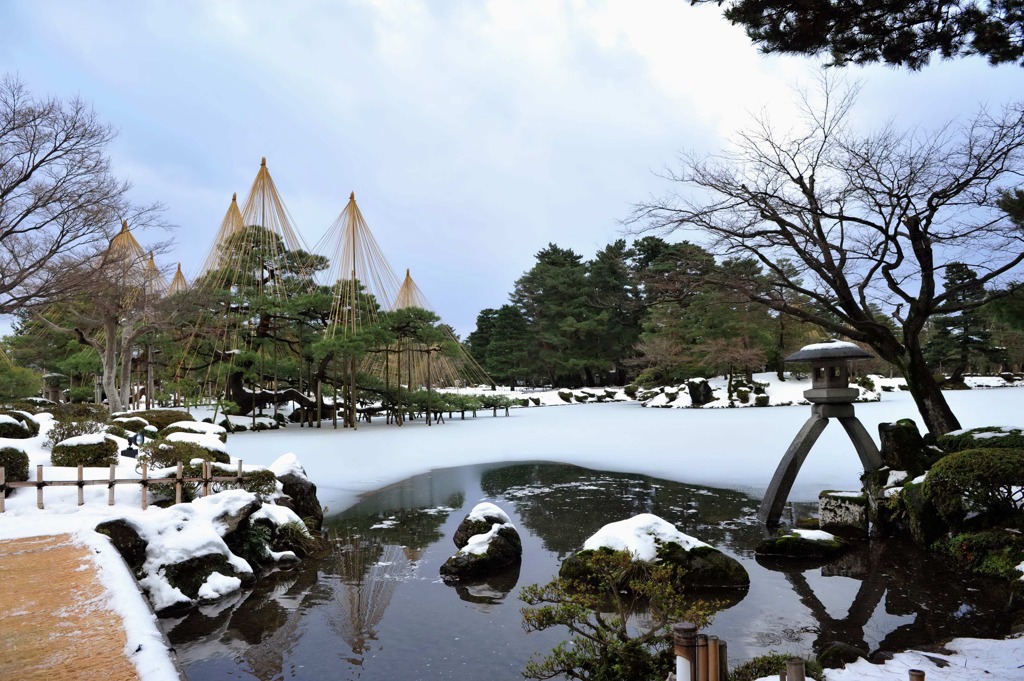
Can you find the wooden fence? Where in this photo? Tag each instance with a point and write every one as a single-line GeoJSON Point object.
{"type": "Point", "coordinates": [206, 479]}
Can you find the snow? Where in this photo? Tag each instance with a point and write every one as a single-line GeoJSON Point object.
{"type": "Point", "coordinates": [896, 478]}
{"type": "Point", "coordinates": [638, 535]}
{"type": "Point", "coordinates": [204, 440]}
{"type": "Point", "coordinates": [846, 495]}
{"type": "Point", "coordinates": [87, 439]}
{"type": "Point", "coordinates": [484, 509]}
{"type": "Point", "coordinates": [831, 345]}
{"type": "Point", "coordinates": [814, 535]}
{"type": "Point", "coordinates": [199, 427]}
{"type": "Point", "coordinates": [217, 585]}
{"type": "Point", "coordinates": [288, 464]}
{"type": "Point", "coordinates": [4, 418]}
{"type": "Point", "coordinates": [478, 544]}
{"type": "Point", "coordinates": [278, 515]}
{"type": "Point", "coordinates": [972, 660]}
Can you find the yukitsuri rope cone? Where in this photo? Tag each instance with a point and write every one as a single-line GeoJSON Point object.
{"type": "Point", "coordinates": [250, 246]}
{"type": "Point", "coordinates": [56, 624]}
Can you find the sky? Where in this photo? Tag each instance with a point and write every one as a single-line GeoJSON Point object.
{"type": "Point", "coordinates": [473, 133]}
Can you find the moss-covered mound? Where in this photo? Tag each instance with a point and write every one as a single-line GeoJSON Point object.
{"type": "Point", "coordinates": [700, 568]}
{"type": "Point", "coordinates": [198, 428]}
{"type": "Point", "coordinates": [84, 451]}
{"type": "Point", "coordinates": [996, 552]}
{"type": "Point", "coordinates": [989, 437]}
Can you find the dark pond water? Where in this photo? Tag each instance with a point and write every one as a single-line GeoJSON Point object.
{"type": "Point", "coordinates": [376, 608]}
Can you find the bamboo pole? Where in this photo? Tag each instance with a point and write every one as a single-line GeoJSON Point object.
{"type": "Point", "coordinates": [111, 485]}
{"type": "Point", "coordinates": [177, 484]}
{"type": "Point", "coordinates": [3, 488]}
{"type": "Point", "coordinates": [206, 478]}
{"type": "Point", "coordinates": [723, 660]}
{"type": "Point", "coordinates": [916, 675]}
{"type": "Point", "coordinates": [239, 473]}
{"type": "Point", "coordinates": [39, 486]}
{"type": "Point", "coordinates": [795, 669]}
{"type": "Point", "coordinates": [713, 665]}
{"type": "Point", "coordinates": [702, 657]}
{"type": "Point", "coordinates": [684, 639]}
{"type": "Point", "coordinates": [81, 487]}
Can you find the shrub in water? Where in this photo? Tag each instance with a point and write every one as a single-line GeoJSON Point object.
{"type": "Point", "coordinates": [983, 481]}
{"type": "Point", "coordinates": [772, 664]}
{"type": "Point", "coordinates": [15, 465]}
{"type": "Point", "coordinates": [103, 453]}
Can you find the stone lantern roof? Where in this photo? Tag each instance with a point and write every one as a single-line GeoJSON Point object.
{"type": "Point", "coordinates": [831, 349]}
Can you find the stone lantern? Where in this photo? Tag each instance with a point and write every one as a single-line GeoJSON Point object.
{"type": "Point", "coordinates": [831, 397]}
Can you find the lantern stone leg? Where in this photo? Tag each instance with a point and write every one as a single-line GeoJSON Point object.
{"type": "Point", "coordinates": [782, 482]}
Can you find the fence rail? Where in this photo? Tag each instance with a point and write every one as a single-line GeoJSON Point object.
{"type": "Point", "coordinates": [179, 480]}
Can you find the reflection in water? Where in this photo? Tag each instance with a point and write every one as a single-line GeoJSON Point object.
{"type": "Point", "coordinates": [375, 609]}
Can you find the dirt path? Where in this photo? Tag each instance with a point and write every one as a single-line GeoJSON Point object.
{"type": "Point", "coordinates": [54, 621]}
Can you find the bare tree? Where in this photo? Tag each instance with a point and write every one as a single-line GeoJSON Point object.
{"type": "Point", "coordinates": [870, 220]}
{"type": "Point", "coordinates": [59, 202]}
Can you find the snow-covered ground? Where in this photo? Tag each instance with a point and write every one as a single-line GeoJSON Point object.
{"type": "Point", "coordinates": [734, 448]}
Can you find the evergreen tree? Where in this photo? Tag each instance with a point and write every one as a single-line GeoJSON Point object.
{"type": "Point", "coordinates": [960, 339]}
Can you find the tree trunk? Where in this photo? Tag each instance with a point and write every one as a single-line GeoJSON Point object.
{"type": "Point", "coordinates": [935, 411]}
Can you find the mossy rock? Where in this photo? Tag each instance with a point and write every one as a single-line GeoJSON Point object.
{"type": "Point", "coordinates": [698, 569]}
{"type": "Point", "coordinates": [990, 437]}
{"type": "Point", "coordinates": [505, 549]}
{"type": "Point", "coordinates": [190, 575]}
{"type": "Point", "coordinates": [90, 455]}
{"type": "Point", "coordinates": [794, 546]}
{"type": "Point", "coordinates": [903, 448]}
{"type": "Point", "coordinates": [15, 464]}
{"type": "Point", "coordinates": [161, 418]}
{"type": "Point", "coordinates": [127, 540]}
{"type": "Point", "coordinates": [922, 518]}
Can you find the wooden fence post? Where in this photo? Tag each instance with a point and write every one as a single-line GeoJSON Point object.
{"type": "Point", "coordinates": [81, 486]}
{"type": "Point", "coordinates": [240, 461]}
{"type": "Point", "coordinates": [723, 660]}
{"type": "Point", "coordinates": [713, 665]}
{"type": "Point", "coordinates": [39, 486]}
{"type": "Point", "coordinates": [702, 657]}
{"type": "Point", "coordinates": [916, 675]}
{"type": "Point", "coordinates": [113, 476]}
{"type": "Point", "coordinates": [3, 488]}
{"type": "Point", "coordinates": [206, 478]}
{"type": "Point", "coordinates": [177, 484]}
{"type": "Point", "coordinates": [684, 639]}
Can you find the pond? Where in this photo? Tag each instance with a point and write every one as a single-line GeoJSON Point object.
{"type": "Point", "coordinates": [376, 608]}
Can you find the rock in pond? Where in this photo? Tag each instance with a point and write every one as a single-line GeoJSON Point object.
{"type": "Point", "coordinates": [796, 543]}
{"type": "Point", "coordinates": [299, 490]}
{"type": "Point", "coordinates": [646, 537]}
{"type": "Point", "coordinates": [488, 542]}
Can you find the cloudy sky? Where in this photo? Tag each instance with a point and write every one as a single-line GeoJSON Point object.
{"type": "Point", "coordinates": [472, 132]}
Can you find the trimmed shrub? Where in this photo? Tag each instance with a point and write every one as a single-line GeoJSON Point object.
{"type": "Point", "coordinates": [993, 553]}
{"type": "Point", "coordinates": [161, 418]}
{"type": "Point", "coordinates": [67, 411]}
{"type": "Point", "coordinates": [81, 393]}
{"type": "Point", "coordinates": [99, 454]}
{"type": "Point", "coordinates": [772, 664]}
{"type": "Point", "coordinates": [14, 429]}
{"type": "Point", "coordinates": [117, 431]}
{"type": "Point", "coordinates": [30, 423]}
{"type": "Point", "coordinates": [761, 400]}
{"type": "Point", "coordinates": [15, 465]}
{"type": "Point", "coordinates": [223, 435]}
{"type": "Point", "coordinates": [866, 383]}
{"type": "Point", "coordinates": [160, 453]}
{"type": "Point", "coordinates": [132, 423]}
{"type": "Point", "coordinates": [982, 481]}
{"type": "Point", "coordinates": [990, 437]}
{"type": "Point", "coordinates": [631, 390]}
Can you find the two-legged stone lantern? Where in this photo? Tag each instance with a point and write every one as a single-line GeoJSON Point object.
{"type": "Point", "coordinates": [831, 397]}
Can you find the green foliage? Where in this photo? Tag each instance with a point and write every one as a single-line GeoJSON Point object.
{"type": "Point", "coordinates": [26, 418]}
{"type": "Point", "coordinates": [15, 464]}
{"type": "Point", "coordinates": [988, 437]}
{"type": "Point", "coordinates": [866, 382]}
{"type": "Point", "coordinates": [20, 429]}
{"type": "Point", "coordinates": [161, 418]}
{"type": "Point", "coordinates": [994, 553]}
{"type": "Point", "coordinates": [81, 393]}
{"type": "Point", "coordinates": [261, 481]}
{"type": "Point", "coordinates": [100, 454]}
{"type": "Point", "coordinates": [959, 341]}
{"type": "Point", "coordinates": [983, 481]}
{"type": "Point", "coordinates": [164, 432]}
{"type": "Point", "coordinates": [761, 400]}
{"type": "Point", "coordinates": [117, 431]}
{"type": "Point", "coordinates": [772, 664]}
{"type": "Point", "coordinates": [631, 390]}
{"type": "Point", "coordinates": [160, 453]}
{"type": "Point", "coordinates": [16, 381]}
{"type": "Point", "coordinates": [607, 641]}
{"type": "Point", "coordinates": [565, 395]}
{"type": "Point", "coordinates": [132, 423]}
{"type": "Point", "coordinates": [80, 412]}
{"type": "Point", "coordinates": [65, 427]}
